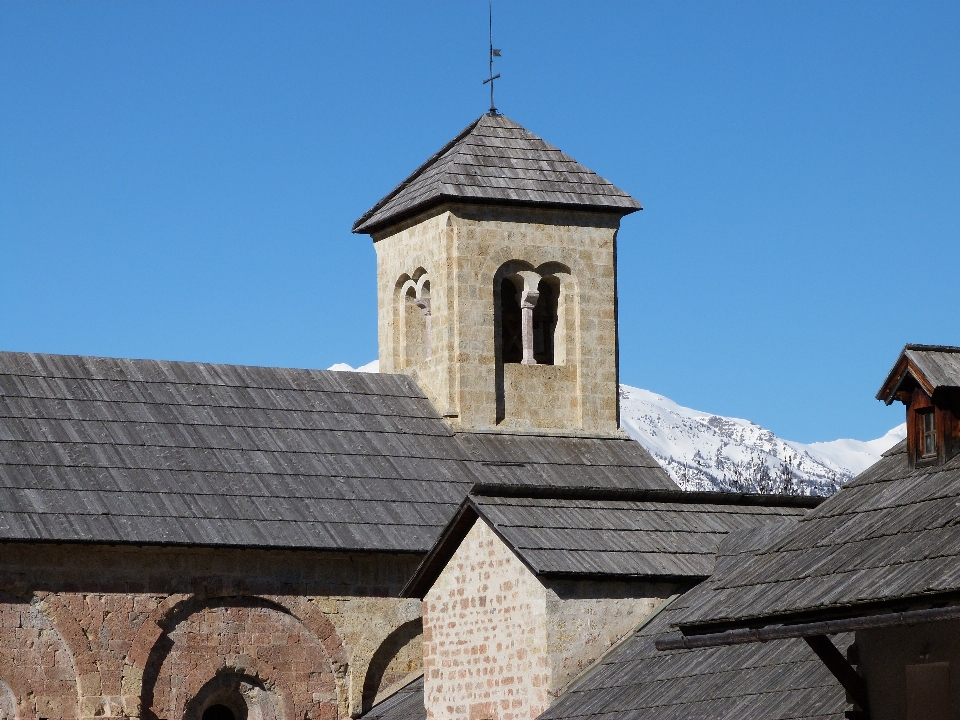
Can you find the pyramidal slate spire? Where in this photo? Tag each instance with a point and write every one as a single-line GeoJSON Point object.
{"type": "Point", "coordinates": [495, 160]}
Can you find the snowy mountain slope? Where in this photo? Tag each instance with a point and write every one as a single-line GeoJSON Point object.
{"type": "Point", "coordinates": [702, 451]}
{"type": "Point", "coordinates": [854, 455]}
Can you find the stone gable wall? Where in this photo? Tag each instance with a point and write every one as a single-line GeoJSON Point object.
{"type": "Point", "coordinates": [499, 644]}
{"type": "Point", "coordinates": [106, 631]}
{"type": "Point", "coordinates": [586, 618]}
{"type": "Point", "coordinates": [484, 636]}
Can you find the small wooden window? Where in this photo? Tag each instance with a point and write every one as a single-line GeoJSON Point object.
{"type": "Point", "coordinates": [928, 433]}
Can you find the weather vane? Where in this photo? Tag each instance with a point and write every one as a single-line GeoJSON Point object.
{"type": "Point", "coordinates": [494, 52]}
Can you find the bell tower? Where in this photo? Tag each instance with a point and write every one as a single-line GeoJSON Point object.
{"type": "Point", "coordinates": [496, 280]}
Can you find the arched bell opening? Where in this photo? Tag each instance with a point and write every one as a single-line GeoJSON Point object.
{"type": "Point", "coordinates": [545, 320]}
{"type": "Point", "coordinates": [511, 322]}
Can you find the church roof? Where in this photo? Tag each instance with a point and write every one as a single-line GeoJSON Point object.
{"type": "Point", "coordinates": [592, 532]}
{"type": "Point", "coordinates": [496, 160]}
{"type": "Point", "coordinates": [887, 541]}
{"type": "Point", "coordinates": [154, 452]}
{"type": "Point", "coordinates": [780, 680]}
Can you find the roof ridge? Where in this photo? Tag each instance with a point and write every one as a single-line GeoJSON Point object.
{"type": "Point", "coordinates": [549, 492]}
{"type": "Point", "coordinates": [932, 348]}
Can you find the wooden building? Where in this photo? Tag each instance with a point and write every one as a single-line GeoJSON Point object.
{"type": "Point", "coordinates": [880, 560]}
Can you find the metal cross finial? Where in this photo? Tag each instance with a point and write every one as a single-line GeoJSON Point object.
{"type": "Point", "coordinates": [494, 52]}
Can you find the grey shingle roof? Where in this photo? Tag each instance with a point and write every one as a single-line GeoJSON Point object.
{"type": "Point", "coordinates": [889, 538]}
{"type": "Point", "coordinates": [405, 704]}
{"type": "Point", "coordinates": [764, 681]}
{"type": "Point", "coordinates": [590, 533]}
{"type": "Point", "coordinates": [934, 366]}
{"type": "Point", "coordinates": [142, 451]}
{"type": "Point", "coordinates": [544, 460]}
{"type": "Point", "coordinates": [496, 160]}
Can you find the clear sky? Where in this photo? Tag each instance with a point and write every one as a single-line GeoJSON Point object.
{"type": "Point", "coordinates": [178, 180]}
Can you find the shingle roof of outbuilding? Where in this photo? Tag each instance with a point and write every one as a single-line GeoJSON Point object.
{"type": "Point", "coordinates": [405, 704]}
{"type": "Point", "coordinates": [888, 539]}
{"type": "Point", "coordinates": [933, 366]}
{"type": "Point", "coordinates": [607, 533]}
{"type": "Point", "coordinates": [496, 160]}
{"type": "Point", "coordinates": [142, 451]}
{"type": "Point", "coordinates": [778, 680]}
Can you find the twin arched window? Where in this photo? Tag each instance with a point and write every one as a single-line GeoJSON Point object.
{"type": "Point", "coordinates": [541, 306]}
{"type": "Point", "coordinates": [528, 318]}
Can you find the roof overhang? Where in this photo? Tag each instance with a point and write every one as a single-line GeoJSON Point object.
{"type": "Point", "coordinates": [436, 560]}
{"type": "Point", "coordinates": [743, 636]}
{"type": "Point", "coordinates": [362, 227]}
{"type": "Point", "coordinates": [902, 370]}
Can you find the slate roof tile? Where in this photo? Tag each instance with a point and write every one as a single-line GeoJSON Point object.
{"type": "Point", "coordinates": [778, 680]}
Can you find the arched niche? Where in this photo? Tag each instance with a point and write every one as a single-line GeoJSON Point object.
{"type": "Point", "coordinates": [391, 665]}
{"type": "Point", "coordinates": [221, 650]}
{"type": "Point", "coordinates": [234, 694]}
{"type": "Point", "coordinates": [412, 318]}
{"type": "Point", "coordinates": [8, 703]}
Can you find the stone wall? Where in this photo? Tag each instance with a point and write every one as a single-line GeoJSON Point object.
{"type": "Point", "coordinates": [498, 644]}
{"type": "Point", "coordinates": [540, 396]}
{"type": "Point", "coordinates": [586, 618]}
{"type": "Point", "coordinates": [461, 248]}
{"type": "Point", "coordinates": [109, 631]}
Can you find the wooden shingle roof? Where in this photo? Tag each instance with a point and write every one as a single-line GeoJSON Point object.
{"type": "Point", "coordinates": [495, 160]}
{"type": "Point", "coordinates": [623, 534]}
{"type": "Point", "coordinates": [888, 540]}
{"type": "Point", "coordinates": [155, 452]}
{"type": "Point", "coordinates": [932, 366]}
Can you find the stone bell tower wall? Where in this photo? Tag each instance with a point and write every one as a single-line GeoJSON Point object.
{"type": "Point", "coordinates": [465, 250]}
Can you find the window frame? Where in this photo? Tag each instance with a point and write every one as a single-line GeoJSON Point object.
{"type": "Point", "coordinates": [923, 434]}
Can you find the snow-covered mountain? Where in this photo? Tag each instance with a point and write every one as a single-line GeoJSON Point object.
{"type": "Point", "coordinates": [702, 451]}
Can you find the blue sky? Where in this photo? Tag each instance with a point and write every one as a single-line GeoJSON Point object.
{"type": "Point", "coordinates": [178, 180]}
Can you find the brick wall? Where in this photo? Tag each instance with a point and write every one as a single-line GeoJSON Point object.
{"type": "Point", "coordinates": [498, 644]}
{"type": "Point", "coordinates": [107, 631]}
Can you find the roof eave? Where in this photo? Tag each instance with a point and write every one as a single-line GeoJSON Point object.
{"type": "Point", "coordinates": [362, 220]}
{"type": "Point", "coordinates": [442, 551]}
{"type": "Point", "coordinates": [826, 614]}
{"type": "Point", "coordinates": [901, 370]}
{"type": "Point", "coordinates": [370, 228]}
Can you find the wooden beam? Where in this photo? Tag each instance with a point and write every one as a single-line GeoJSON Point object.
{"type": "Point", "coordinates": [842, 670]}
